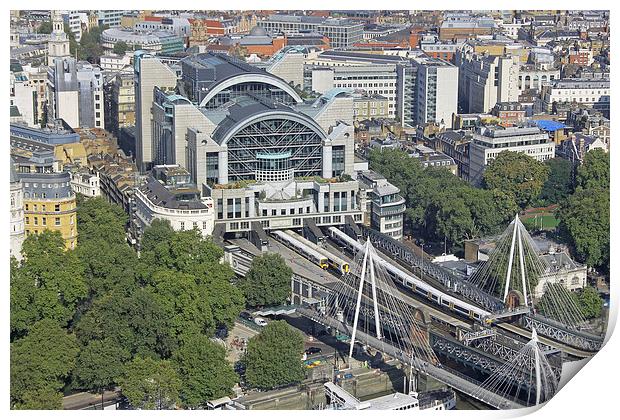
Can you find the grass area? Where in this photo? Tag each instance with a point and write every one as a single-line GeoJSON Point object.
{"type": "Point", "coordinates": [547, 221]}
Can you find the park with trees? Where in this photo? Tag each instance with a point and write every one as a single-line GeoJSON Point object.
{"type": "Point", "coordinates": [101, 316]}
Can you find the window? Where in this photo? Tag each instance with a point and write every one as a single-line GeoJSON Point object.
{"type": "Point", "coordinates": [36, 221]}
{"type": "Point", "coordinates": [204, 225]}
{"type": "Point", "coordinates": [182, 225]}
{"type": "Point", "coordinates": [44, 221]}
{"type": "Point", "coordinates": [57, 221]}
{"type": "Point", "coordinates": [56, 207]}
{"type": "Point", "coordinates": [195, 225]}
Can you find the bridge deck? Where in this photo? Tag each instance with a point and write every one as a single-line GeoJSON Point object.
{"type": "Point", "coordinates": [460, 383]}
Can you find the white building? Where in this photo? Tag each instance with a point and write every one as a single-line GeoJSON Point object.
{"type": "Point", "coordinates": [149, 73]}
{"type": "Point", "coordinates": [372, 79]}
{"type": "Point", "coordinates": [485, 80]}
{"type": "Point", "coordinates": [168, 195]}
{"type": "Point", "coordinates": [75, 92]}
{"type": "Point", "coordinates": [536, 76]}
{"type": "Point", "coordinates": [18, 233]}
{"type": "Point", "coordinates": [85, 183]}
{"type": "Point", "coordinates": [562, 270]}
{"type": "Point", "coordinates": [488, 142]}
{"type": "Point", "coordinates": [78, 21]}
{"type": "Point", "coordinates": [591, 92]}
{"type": "Point", "coordinates": [437, 91]}
{"type": "Point", "coordinates": [114, 63]}
{"type": "Point", "coordinates": [23, 95]}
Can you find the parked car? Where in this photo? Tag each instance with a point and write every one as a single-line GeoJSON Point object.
{"type": "Point", "coordinates": [246, 315]}
{"type": "Point", "coordinates": [261, 322]}
{"type": "Point", "coordinates": [313, 350]}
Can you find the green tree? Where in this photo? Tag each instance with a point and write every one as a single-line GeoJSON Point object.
{"type": "Point", "coordinates": [137, 322]}
{"type": "Point", "coordinates": [559, 184]}
{"type": "Point", "coordinates": [273, 357]}
{"type": "Point", "coordinates": [45, 27]}
{"type": "Point", "coordinates": [150, 384]}
{"type": "Point", "coordinates": [204, 371]}
{"type": "Point", "coordinates": [184, 301]}
{"type": "Point", "coordinates": [99, 364]}
{"type": "Point", "coordinates": [268, 282]}
{"type": "Point", "coordinates": [48, 284]}
{"type": "Point", "coordinates": [590, 302]}
{"type": "Point", "coordinates": [108, 260]}
{"type": "Point", "coordinates": [584, 223]}
{"type": "Point", "coordinates": [40, 363]}
{"type": "Point", "coordinates": [518, 174]}
{"type": "Point", "coordinates": [594, 171]}
{"type": "Point", "coordinates": [120, 48]}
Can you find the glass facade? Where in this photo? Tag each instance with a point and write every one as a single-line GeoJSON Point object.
{"type": "Point", "coordinates": [274, 136]}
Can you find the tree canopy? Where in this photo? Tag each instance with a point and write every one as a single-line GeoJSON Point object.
{"type": "Point", "coordinates": [268, 282]}
{"type": "Point", "coordinates": [559, 184]}
{"type": "Point", "coordinates": [590, 302]}
{"type": "Point", "coordinates": [49, 283]}
{"type": "Point", "coordinates": [439, 204]}
{"type": "Point", "coordinates": [584, 222]}
{"type": "Point", "coordinates": [273, 357]}
{"type": "Point", "coordinates": [121, 308]}
{"type": "Point", "coordinates": [204, 371]}
{"type": "Point", "coordinates": [40, 363]}
{"type": "Point", "coordinates": [594, 171]}
{"type": "Point", "coordinates": [150, 384]}
{"type": "Point", "coordinates": [120, 48]}
{"type": "Point", "coordinates": [517, 174]}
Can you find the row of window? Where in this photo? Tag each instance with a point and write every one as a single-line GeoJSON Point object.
{"type": "Point", "coordinates": [35, 207]}
{"type": "Point", "coordinates": [44, 221]}
{"type": "Point", "coordinates": [194, 225]}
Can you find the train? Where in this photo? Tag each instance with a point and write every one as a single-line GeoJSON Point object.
{"type": "Point", "coordinates": [335, 262]}
{"type": "Point", "coordinates": [304, 250]}
{"type": "Point", "coordinates": [415, 285]}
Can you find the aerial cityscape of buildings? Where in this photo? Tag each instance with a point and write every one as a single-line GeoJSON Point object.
{"type": "Point", "coordinates": [379, 156]}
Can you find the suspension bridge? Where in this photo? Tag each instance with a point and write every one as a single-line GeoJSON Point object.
{"type": "Point", "coordinates": [510, 357]}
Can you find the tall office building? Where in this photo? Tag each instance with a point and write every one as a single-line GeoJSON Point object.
{"type": "Point", "coordinates": [76, 93]}
{"type": "Point", "coordinates": [436, 88]}
{"type": "Point", "coordinates": [149, 73]}
{"type": "Point", "coordinates": [485, 80]}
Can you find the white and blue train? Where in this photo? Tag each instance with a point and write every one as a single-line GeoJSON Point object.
{"type": "Point", "coordinates": [414, 284]}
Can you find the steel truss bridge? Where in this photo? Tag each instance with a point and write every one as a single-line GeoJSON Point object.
{"type": "Point", "coordinates": [444, 375]}
{"type": "Point", "coordinates": [546, 327]}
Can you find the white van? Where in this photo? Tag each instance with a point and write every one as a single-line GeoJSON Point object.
{"type": "Point", "coordinates": [261, 322]}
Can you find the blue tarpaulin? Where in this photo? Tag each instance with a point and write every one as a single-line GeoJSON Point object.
{"type": "Point", "coordinates": [549, 125]}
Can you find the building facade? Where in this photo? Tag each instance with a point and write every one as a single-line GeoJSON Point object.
{"type": "Point", "coordinates": [49, 204]}
{"type": "Point", "coordinates": [488, 142]}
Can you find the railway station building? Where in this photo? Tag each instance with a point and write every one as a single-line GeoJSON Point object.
{"type": "Point", "coordinates": [264, 156]}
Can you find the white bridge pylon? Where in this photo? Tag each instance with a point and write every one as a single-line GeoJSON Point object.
{"type": "Point", "coordinates": [367, 300]}
{"type": "Point", "coordinates": [367, 265]}
{"type": "Point", "coordinates": [518, 238]}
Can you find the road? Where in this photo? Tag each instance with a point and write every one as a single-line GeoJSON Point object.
{"type": "Point", "coordinates": [84, 400]}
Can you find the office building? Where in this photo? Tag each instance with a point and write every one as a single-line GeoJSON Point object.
{"type": "Point", "coordinates": [149, 73]}
{"type": "Point", "coordinates": [485, 80]}
{"type": "Point", "coordinates": [155, 42]}
{"type": "Point", "coordinates": [594, 93]}
{"type": "Point", "coordinates": [437, 90]}
{"type": "Point", "coordinates": [384, 204]}
{"type": "Point", "coordinates": [488, 142]}
{"type": "Point", "coordinates": [342, 33]}
{"type": "Point", "coordinates": [121, 103]}
{"type": "Point", "coordinates": [76, 93]}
